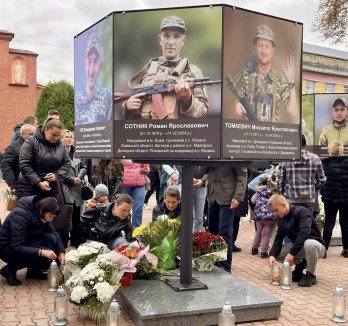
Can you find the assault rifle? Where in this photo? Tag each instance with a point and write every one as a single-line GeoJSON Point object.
{"type": "Point", "coordinates": [242, 98]}
{"type": "Point", "coordinates": [153, 92]}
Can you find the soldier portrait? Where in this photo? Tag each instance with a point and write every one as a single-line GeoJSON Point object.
{"type": "Point", "coordinates": [330, 121]}
{"type": "Point", "coordinates": [337, 129]}
{"type": "Point", "coordinates": [169, 57]}
{"type": "Point", "coordinates": [93, 103]}
{"type": "Point", "coordinates": [183, 100]}
{"type": "Point", "coordinates": [265, 85]}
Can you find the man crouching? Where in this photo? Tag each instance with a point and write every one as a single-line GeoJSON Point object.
{"type": "Point", "coordinates": [306, 247]}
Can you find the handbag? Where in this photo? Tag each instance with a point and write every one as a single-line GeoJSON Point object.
{"type": "Point", "coordinates": [86, 190]}
{"type": "Point", "coordinates": [63, 221]}
{"type": "Point", "coordinates": [11, 201]}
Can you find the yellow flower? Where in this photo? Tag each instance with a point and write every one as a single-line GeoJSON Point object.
{"type": "Point", "coordinates": [139, 230]}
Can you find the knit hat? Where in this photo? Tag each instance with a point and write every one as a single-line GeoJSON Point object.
{"type": "Point", "coordinates": [101, 190]}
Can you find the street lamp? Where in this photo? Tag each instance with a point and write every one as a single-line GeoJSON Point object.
{"type": "Point", "coordinates": [339, 306]}
{"type": "Point", "coordinates": [61, 308]}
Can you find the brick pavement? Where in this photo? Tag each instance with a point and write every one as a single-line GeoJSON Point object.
{"type": "Point", "coordinates": [31, 304]}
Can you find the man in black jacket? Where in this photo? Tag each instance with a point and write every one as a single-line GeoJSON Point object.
{"type": "Point", "coordinates": [110, 221]}
{"type": "Point", "coordinates": [306, 247]}
{"type": "Point", "coordinates": [10, 160]}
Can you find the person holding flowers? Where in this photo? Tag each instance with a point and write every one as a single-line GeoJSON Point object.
{"type": "Point", "coordinates": [110, 221]}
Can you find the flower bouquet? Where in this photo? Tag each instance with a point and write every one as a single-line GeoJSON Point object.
{"type": "Point", "coordinates": [207, 249]}
{"type": "Point", "coordinates": [162, 238]}
{"type": "Point", "coordinates": [93, 287]}
{"type": "Point", "coordinates": [77, 259]}
{"type": "Point", "coordinates": [127, 256]}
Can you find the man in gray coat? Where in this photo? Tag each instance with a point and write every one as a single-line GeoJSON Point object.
{"type": "Point", "coordinates": [226, 189]}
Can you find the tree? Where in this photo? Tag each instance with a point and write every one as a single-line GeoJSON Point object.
{"type": "Point", "coordinates": [57, 96]}
{"type": "Point", "coordinates": [331, 20]}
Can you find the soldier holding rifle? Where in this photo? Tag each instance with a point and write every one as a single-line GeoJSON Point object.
{"type": "Point", "coordinates": [183, 100]}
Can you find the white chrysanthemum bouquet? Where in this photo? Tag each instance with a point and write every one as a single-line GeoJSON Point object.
{"type": "Point", "coordinates": [94, 278]}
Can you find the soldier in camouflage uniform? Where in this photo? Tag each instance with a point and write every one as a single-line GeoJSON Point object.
{"type": "Point", "coordinates": [267, 89]}
{"type": "Point", "coordinates": [93, 103]}
{"type": "Point", "coordinates": [338, 128]}
{"type": "Point", "coordinates": [183, 102]}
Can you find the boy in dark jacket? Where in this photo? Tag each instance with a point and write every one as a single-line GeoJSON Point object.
{"type": "Point", "coordinates": [170, 205]}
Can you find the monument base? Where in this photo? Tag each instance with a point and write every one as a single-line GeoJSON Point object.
{"type": "Point", "coordinates": [154, 303]}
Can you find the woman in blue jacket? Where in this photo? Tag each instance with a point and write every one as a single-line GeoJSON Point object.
{"type": "Point", "coordinates": [28, 239]}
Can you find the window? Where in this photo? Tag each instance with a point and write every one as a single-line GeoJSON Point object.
{"type": "Point", "coordinates": [309, 87]}
{"type": "Point", "coordinates": [329, 88]}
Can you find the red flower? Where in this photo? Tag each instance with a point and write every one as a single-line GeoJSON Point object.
{"type": "Point", "coordinates": [204, 243]}
{"type": "Point", "coordinates": [128, 250]}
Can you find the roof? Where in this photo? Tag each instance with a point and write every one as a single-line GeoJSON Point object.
{"type": "Point", "coordinates": [23, 52]}
{"type": "Point", "coordinates": [2, 31]}
{"type": "Point", "coordinates": [327, 52]}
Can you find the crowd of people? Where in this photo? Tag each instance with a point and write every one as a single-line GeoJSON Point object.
{"type": "Point", "coordinates": [280, 200]}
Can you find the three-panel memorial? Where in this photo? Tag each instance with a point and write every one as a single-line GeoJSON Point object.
{"type": "Point", "coordinates": [197, 83]}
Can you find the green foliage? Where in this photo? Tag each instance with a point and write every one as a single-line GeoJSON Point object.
{"type": "Point", "coordinates": [158, 230]}
{"type": "Point", "coordinates": [57, 96]}
{"type": "Point", "coordinates": [147, 271]}
{"type": "Point", "coordinates": [331, 20]}
{"type": "Point", "coordinates": [165, 252]}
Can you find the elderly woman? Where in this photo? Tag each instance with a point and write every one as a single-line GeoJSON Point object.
{"type": "Point", "coordinates": [335, 193]}
{"type": "Point", "coordinates": [41, 158]}
{"type": "Point", "coordinates": [72, 186]}
{"type": "Point", "coordinates": [28, 239]}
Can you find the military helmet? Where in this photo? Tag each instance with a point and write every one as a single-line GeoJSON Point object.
{"type": "Point", "coordinates": [173, 21]}
{"type": "Point", "coordinates": [264, 32]}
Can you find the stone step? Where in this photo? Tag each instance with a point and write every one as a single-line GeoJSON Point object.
{"type": "Point", "coordinates": [154, 303]}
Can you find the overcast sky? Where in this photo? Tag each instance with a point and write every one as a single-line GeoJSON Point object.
{"type": "Point", "coordinates": [48, 27]}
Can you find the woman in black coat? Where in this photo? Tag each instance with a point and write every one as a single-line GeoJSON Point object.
{"type": "Point", "coordinates": [41, 157]}
{"type": "Point", "coordinates": [28, 239]}
{"type": "Point", "coordinates": [335, 193]}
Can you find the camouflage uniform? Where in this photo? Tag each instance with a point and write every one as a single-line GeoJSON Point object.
{"type": "Point", "coordinates": [97, 108]}
{"type": "Point", "coordinates": [267, 94]}
{"type": "Point", "coordinates": [93, 109]}
{"type": "Point", "coordinates": [331, 132]}
{"type": "Point", "coordinates": [160, 70]}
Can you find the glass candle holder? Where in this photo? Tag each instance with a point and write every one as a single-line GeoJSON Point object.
{"type": "Point", "coordinates": [339, 306]}
{"type": "Point", "coordinates": [276, 276]}
{"type": "Point", "coordinates": [286, 276]}
{"type": "Point", "coordinates": [53, 275]}
{"type": "Point", "coordinates": [61, 308]}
